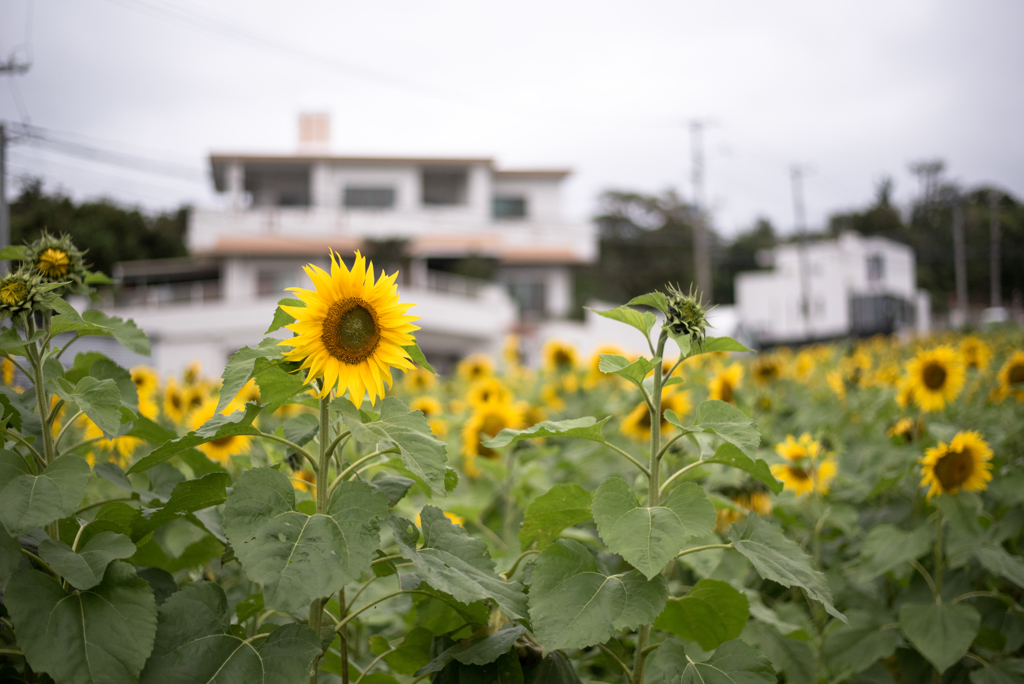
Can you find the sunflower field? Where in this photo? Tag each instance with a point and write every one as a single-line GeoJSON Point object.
{"type": "Point", "coordinates": [330, 510]}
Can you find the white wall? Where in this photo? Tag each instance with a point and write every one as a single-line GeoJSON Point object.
{"type": "Point", "coordinates": [543, 196]}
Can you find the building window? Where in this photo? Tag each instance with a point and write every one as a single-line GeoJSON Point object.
{"type": "Point", "coordinates": [296, 198]}
{"type": "Point", "coordinates": [273, 281]}
{"type": "Point", "coordinates": [530, 297]}
{"type": "Point", "coordinates": [445, 187]}
{"type": "Point", "coordinates": [508, 207]}
{"type": "Point", "coordinates": [357, 197]}
{"type": "Point", "coordinates": [876, 268]}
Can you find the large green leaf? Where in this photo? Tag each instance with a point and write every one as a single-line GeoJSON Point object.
{"type": "Point", "coordinates": [781, 560]}
{"type": "Point", "coordinates": [282, 317]}
{"type": "Point", "coordinates": [634, 371]}
{"type": "Point", "coordinates": [575, 605]}
{"type": "Point", "coordinates": [860, 644]}
{"type": "Point", "coordinates": [453, 562]}
{"type": "Point", "coordinates": [84, 569]}
{"type": "Point", "coordinates": [98, 399]}
{"type": "Point", "coordinates": [725, 420]}
{"type": "Point", "coordinates": [581, 428]}
{"type": "Point", "coordinates": [995, 559]}
{"type": "Point", "coordinates": [730, 455]}
{"type": "Point", "coordinates": [1009, 671]}
{"type": "Point", "coordinates": [218, 427]}
{"type": "Point", "coordinates": [407, 657]}
{"type": "Point", "coordinates": [298, 557]}
{"type": "Point", "coordinates": [655, 300]}
{"type": "Point", "coordinates": [422, 453]}
{"type": "Point", "coordinates": [125, 332]}
{"type": "Point", "coordinates": [492, 646]}
{"type": "Point", "coordinates": [242, 366]}
{"type": "Point", "coordinates": [194, 643]}
{"type": "Point", "coordinates": [28, 502]}
{"type": "Point", "coordinates": [99, 636]}
{"type": "Point", "coordinates": [649, 537]}
{"type": "Point", "coordinates": [718, 344]}
{"type": "Point", "coordinates": [941, 632]}
{"type": "Point", "coordinates": [711, 613]}
{"type": "Point", "coordinates": [12, 343]}
{"type": "Point", "coordinates": [188, 497]}
{"type": "Point", "coordinates": [10, 556]}
{"type": "Point", "coordinates": [561, 507]}
{"type": "Point", "coordinates": [641, 320]}
{"type": "Point", "coordinates": [416, 354]}
{"type": "Point", "coordinates": [793, 657]}
{"type": "Point", "coordinates": [733, 663]}
{"type": "Point", "coordinates": [887, 547]}
{"type": "Point", "coordinates": [277, 384]}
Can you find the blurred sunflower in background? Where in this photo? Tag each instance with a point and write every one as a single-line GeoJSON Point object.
{"type": "Point", "coordinates": [484, 423]}
{"type": "Point", "coordinates": [975, 353]}
{"type": "Point", "coordinates": [352, 330]}
{"type": "Point", "coordinates": [1011, 378]}
{"type": "Point", "coordinates": [805, 471]}
{"type": "Point", "coordinates": [220, 450]}
{"type": "Point", "coordinates": [725, 382]}
{"type": "Point", "coordinates": [417, 380]}
{"type": "Point", "coordinates": [475, 367]}
{"type": "Point", "coordinates": [487, 391]}
{"type": "Point", "coordinates": [558, 356]}
{"type": "Point", "coordinates": [638, 423]}
{"type": "Point", "coordinates": [250, 392]}
{"type": "Point", "coordinates": [766, 369]}
{"type": "Point", "coordinates": [935, 377]}
{"type": "Point", "coordinates": [432, 410]}
{"type": "Point", "coordinates": [962, 465]}
{"type": "Point", "coordinates": [175, 405]}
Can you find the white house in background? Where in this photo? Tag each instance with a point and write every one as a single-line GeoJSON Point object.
{"type": "Point", "coordinates": [286, 210]}
{"type": "Point", "coordinates": [824, 289]}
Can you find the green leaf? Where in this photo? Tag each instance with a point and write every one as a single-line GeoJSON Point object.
{"type": "Point", "coordinates": [194, 643]}
{"type": "Point", "coordinates": [99, 636]}
{"type": "Point", "coordinates": [105, 369]}
{"type": "Point", "coordinates": [28, 502]}
{"type": "Point", "coordinates": [126, 332]}
{"type": "Point", "coordinates": [635, 372]}
{"type": "Point", "coordinates": [412, 654]}
{"type": "Point", "coordinates": [297, 557]}
{"type": "Point", "coordinates": [12, 343]}
{"type": "Point", "coordinates": [98, 399]}
{"type": "Point", "coordinates": [574, 605]}
{"type": "Point", "coordinates": [641, 320]}
{"type": "Point", "coordinates": [152, 432]}
{"type": "Point", "coordinates": [416, 354]}
{"type": "Point", "coordinates": [781, 560]}
{"type": "Point", "coordinates": [561, 507]}
{"type": "Point", "coordinates": [942, 633]}
{"type": "Point", "coordinates": [582, 428]}
{"type": "Point", "coordinates": [394, 487]}
{"type": "Point", "coordinates": [491, 647]}
{"type": "Point", "coordinates": [301, 428]}
{"type": "Point", "coordinates": [277, 384]}
{"type": "Point", "coordinates": [887, 547]}
{"type": "Point", "coordinates": [793, 657]}
{"type": "Point", "coordinates": [218, 427]}
{"type": "Point", "coordinates": [281, 317]}
{"type": "Point", "coordinates": [718, 344]}
{"type": "Point", "coordinates": [85, 569]}
{"type": "Point", "coordinates": [728, 454]}
{"type": "Point", "coordinates": [861, 643]}
{"type": "Point", "coordinates": [1009, 671]}
{"type": "Point", "coordinates": [452, 562]}
{"type": "Point", "coordinates": [188, 497]}
{"type": "Point", "coordinates": [422, 453]}
{"type": "Point", "coordinates": [242, 366]}
{"type": "Point", "coordinates": [97, 278]}
{"type": "Point", "coordinates": [733, 663]}
{"type": "Point", "coordinates": [655, 300]}
{"type": "Point", "coordinates": [13, 253]}
{"type": "Point", "coordinates": [995, 559]}
{"type": "Point", "coordinates": [711, 613]}
{"type": "Point", "coordinates": [10, 556]}
{"type": "Point", "coordinates": [725, 420]}
{"type": "Point", "coordinates": [648, 538]}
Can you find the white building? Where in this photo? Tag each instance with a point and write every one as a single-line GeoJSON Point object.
{"type": "Point", "coordinates": [285, 210]}
{"type": "Point", "coordinates": [831, 288]}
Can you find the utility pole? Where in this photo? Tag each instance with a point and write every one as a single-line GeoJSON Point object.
{"type": "Point", "coordinates": [701, 241]}
{"type": "Point", "coordinates": [959, 260]}
{"type": "Point", "coordinates": [5, 214]}
{"type": "Point", "coordinates": [994, 257]}
{"type": "Point", "coordinates": [796, 175]}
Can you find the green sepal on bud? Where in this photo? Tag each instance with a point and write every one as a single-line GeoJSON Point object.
{"type": "Point", "coordinates": [57, 260]}
{"type": "Point", "coordinates": [686, 315]}
{"type": "Point", "coordinates": [21, 292]}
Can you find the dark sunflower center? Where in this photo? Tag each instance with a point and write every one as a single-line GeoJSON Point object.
{"type": "Point", "coordinates": [954, 468]}
{"type": "Point", "coordinates": [223, 441]}
{"type": "Point", "coordinates": [351, 331]}
{"type": "Point", "coordinates": [1016, 373]}
{"type": "Point", "coordinates": [726, 392]}
{"type": "Point", "coordinates": [175, 400]}
{"type": "Point", "coordinates": [798, 473]}
{"type": "Point", "coordinates": [493, 425]}
{"type": "Point", "coordinates": [562, 358]}
{"type": "Point", "coordinates": [934, 376]}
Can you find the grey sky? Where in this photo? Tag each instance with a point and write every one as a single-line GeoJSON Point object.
{"type": "Point", "coordinates": [855, 90]}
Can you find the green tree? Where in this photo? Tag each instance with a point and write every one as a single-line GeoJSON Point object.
{"type": "Point", "coordinates": [741, 255]}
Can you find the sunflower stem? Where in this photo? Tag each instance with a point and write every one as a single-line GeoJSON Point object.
{"type": "Point", "coordinates": [321, 467]}
{"type": "Point", "coordinates": [939, 564]}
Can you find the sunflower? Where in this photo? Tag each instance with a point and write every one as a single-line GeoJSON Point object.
{"type": "Point", "coordinates": [807, 477]}
{"type": "Point", "coordinates": [559, 356]}
{"type": "Point", "coordinates": [549, 394]}
{"type": "Point", "coordinates": [906, 430]}
{"type": "Point", "coordinates": [488, 391]}
{"type": "Point", "coordinates": [304, 481]}
{"type": "Point", "coordinates": [753, 498]}
{"type": "Point", "coordinates": [803, 364]}
{"type": "Point", "coordinates": [638, 423]}
{"type": "Point", "coordinates": [439, 427]}
{"type": "Point", "coordinates": [175, 406]}
{"type": "Point", "coordinates": [192, 373]}
{"type": "Point", "coordinates": [836, 383]}
{"type": "Point", "coordinates": [725, 382]}
{"type": "Point", "coordinates": [962, 465]}
{"type": "Point", "coordinates": [766, 369]}
{"type": "Point", "coordinates": [429, 406]}
{"type": "Point", "coordinates": [475, 367]}
{"type": "Point", "coordinates": [935, 377]}
{"type": "Point", "coordinates": [486, 422]}
{"type": "Point", "coordinates": [56, 260]}
{"type": "Point", "coordinates": [1011, 378]}
{"type": "Point", "coordinates": [594, 363]}
{"type": "Point", "coordinates": [146, 380]}
{"type": "Point", "coordinates": [220, 450]}
{"type": "Point", "coordinates": [7, 371]}
{"type": "Point", "coordinates": [797, 449]}
{"type": "Point", "coordinates": [418, 380]}
{"type": "Point", "coordinates": [119, 449]}
{"type": "Point", "coordinates": [512, 351]}
{"type": "Point", "coordinates": [352, 330]}
{"type": "Point", "coordinates": [455, 519]}
{"type": "Point", "coordinates": [250, 392]}
{"type": "Point", "coordinates": [975, 353]}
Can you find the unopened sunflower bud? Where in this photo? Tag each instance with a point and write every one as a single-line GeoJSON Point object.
{"type": "Point", "coordinates": [57, 260]}
{"type": "Point", "coordinates": [20, 292]}
{"type": "Point", "coordinates": [687, 316]}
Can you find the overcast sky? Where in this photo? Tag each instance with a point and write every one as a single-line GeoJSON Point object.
{"type": "Point", "coordinates": [852, 90]}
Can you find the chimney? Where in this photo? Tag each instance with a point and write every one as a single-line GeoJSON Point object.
{"type": "Point", "coordinates": [314, 132]}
